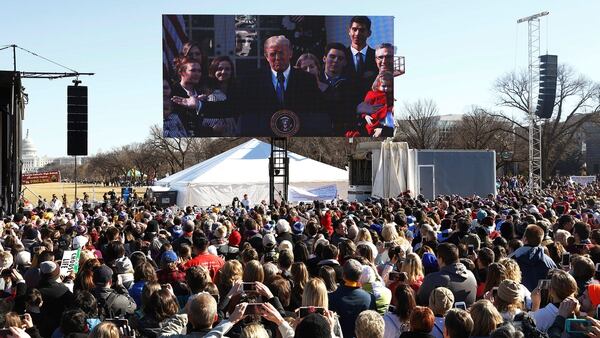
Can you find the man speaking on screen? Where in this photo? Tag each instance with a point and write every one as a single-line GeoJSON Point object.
{"type": "Point", "coordinates": [277, 101]}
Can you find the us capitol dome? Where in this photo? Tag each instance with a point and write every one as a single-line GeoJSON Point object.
{"type": "Point", "coordinates": [29, 157]}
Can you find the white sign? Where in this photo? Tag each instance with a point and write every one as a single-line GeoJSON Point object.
{"type": "Point", "coordinates": [583, 180]}
{"type": "Point", "coordinates": [70, 262]}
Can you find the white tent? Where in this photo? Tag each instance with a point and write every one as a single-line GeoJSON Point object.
{"type": "Point", "coordinates": [245, 170]}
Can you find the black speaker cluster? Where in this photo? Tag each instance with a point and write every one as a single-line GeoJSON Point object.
{"type": "Point", "coordinates": [77, 120]}
{"type": "Point", "coordinates": [547, 94]}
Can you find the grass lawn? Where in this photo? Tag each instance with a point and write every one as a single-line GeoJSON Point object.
{"type": "Point", "coordinates": [47, 189]}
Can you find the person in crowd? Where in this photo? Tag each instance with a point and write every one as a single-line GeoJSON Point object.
{"type": "Point", "coordinates": [349, 299]}
{"type": "Point", "coordinates": [56, 297]}
{"type": "Point", "coordinates": [486, 316]}
{"type": "Point", "coordinates": [203, 257]}
{"type": "Point", "coordinates": [452, 275]}
{"type": "Point", "coordinates": [369, 324]}
{"type": "Point", "coordinates": [105, 330]}
{"type": "Point", "coordinates": [113, 301]}
{"type": "Point", "coordinates": [458, 324]}
{"type": "Point", "coordinates": [562, 286]}
{"type": "Point", "coordinates": [421, 323]}
{"type": "Point", "coordinates": [441, 301]}
{"type": "Point", "coordinates": [532, 260]}
{"type": "Point", "coordinates": [398, 320]}
{"type": "Point", "coordinates": [144, 273]}
{"type": "Point", "coordinates": [508, 299]}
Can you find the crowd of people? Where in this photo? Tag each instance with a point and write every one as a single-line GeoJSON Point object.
{"type": "Point", "coordinates": [517, 264]}
{"type": "Point", "coordinates": [348, 92]}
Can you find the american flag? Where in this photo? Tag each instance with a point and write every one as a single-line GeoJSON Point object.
{"type": "Point", "coordinates": [174, 37]}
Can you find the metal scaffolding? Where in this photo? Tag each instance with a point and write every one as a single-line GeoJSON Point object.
{"type": "Point", "coordinates": [535, 125]}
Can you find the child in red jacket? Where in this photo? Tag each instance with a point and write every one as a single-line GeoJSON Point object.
{"type": "Point", "coordinates": [381, 122]}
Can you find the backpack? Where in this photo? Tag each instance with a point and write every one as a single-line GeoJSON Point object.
{"type": "Point", "coordinates": [105, 306]}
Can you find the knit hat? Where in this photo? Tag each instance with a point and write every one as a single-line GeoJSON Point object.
{"type": "Point", "coordinates": [509, 291]}
{"type": "Point", "coordinates": [49, 269]}
{"type": "Point", "coordinates": [594, 294]}
{"type": "Point", "coordinates": [441, 300]}
{"type": "Point", "coordinates": [430, 263]}
{"type": "Point", "coordinates": [235, 238]}
{"type": "Point", "coordinates": [23, 258]}
{"type": "Point", "coordinates": [269, 227]}
{"type": "Point", "coordinates": [282, 226]}
{"type": "Point", "coordinates": [269, 241]}
{"type": "Point", "coordinates": [177, 231]}
{"type": "Point", "coordinates": [79, 242]}
{"type": "Point", "coordinates": [481, 214]}
{"type": "Point", "coordinates": [298, 228]}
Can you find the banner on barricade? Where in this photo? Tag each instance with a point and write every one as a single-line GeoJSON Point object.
{"type": "Point", "coordinates": [43, 177]}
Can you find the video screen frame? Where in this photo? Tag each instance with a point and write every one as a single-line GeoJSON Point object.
{"type": "Point", "coordinates": [277, 75]}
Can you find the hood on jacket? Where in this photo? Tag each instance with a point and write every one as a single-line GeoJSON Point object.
{"type": "Point", "coordinates": [529, 255]}
{"type": "Point", "coordinates": [458, 269]}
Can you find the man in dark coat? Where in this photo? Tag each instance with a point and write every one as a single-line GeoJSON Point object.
{"type": "Point", "coordinates": [453, 275]}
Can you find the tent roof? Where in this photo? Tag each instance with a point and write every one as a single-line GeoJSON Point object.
{"type": "Point", "coordinates": [248, 163]}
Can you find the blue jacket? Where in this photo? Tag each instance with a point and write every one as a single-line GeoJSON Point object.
{"type": "Point", "coordinates": [534, 264]}
{"type": "Point", "coordinates": [348, 302]}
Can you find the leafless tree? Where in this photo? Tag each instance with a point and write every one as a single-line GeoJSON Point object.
{"type": "Point", "coordinates": [577, 103]}
{"type": "Point", "coordinates": [419, 125]}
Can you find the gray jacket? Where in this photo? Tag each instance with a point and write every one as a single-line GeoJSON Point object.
{"type": "Point", "coordinates": [456, 277]}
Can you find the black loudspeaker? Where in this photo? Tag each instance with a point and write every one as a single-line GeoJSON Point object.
{"type": "Point", "coordinates": [77, 121]}
{"type": "Point", "coordinates": [547, 95]}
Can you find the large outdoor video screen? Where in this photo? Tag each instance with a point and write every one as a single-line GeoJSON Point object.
{"type": "Point", "coordinates": [282, 76]}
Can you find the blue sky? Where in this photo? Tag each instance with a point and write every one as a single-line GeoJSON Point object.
{"type": "Point", "coordinates": [454, 52]}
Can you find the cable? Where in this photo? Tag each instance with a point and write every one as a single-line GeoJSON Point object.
{"type": "Point", "coordinates": [41, 57]}
{"type": "Point", "coordinates": [516, 46]}
{"type": "Point", "coordinates": [5, 47]}
{"type": "Point", "coordinates": [547, 28]}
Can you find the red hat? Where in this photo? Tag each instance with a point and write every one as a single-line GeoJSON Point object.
{"type": "Point", "coordinates": [594, 294]}
{"type": "Point", "coordinates": [235, 238]}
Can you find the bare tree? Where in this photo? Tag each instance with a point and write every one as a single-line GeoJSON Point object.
{"type": "Point", "coordinates": [577, 103]}
{"type": "Point", "coordinates": [419, 125]}
{"type": "Point", "coordinates": [172, 150]}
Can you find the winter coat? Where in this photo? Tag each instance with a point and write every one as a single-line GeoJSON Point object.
{"type": "Point", "coordinates": [534, 264]}
{"type": "Point", "coordinates": [456, 277]}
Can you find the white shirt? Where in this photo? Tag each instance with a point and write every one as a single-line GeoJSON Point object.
{"type": "Point", "coordinates": [356, 51]}
{"type": "Point", "coordinates": [544, 317]}
{"type": "Point", "coordinates": [286, 74]}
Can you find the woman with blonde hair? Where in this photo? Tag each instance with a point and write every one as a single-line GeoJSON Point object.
{"type": "Point", "coordinates": [486, 316]}
{"type": "Point", "coordinates": [105, 330]}
{"type": "Point", "coordinates": [414, 270]}
{"type": "Point", "coordinates": [230, 273]}
{"type": "Point", "coordinates": [513, 272]}
{"type": "Point", "coordinates": [253, 272]}
{"type": "Point", "coordinates": [364, 237]}
{"type": "Point", "coordinates": [315, 294]}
